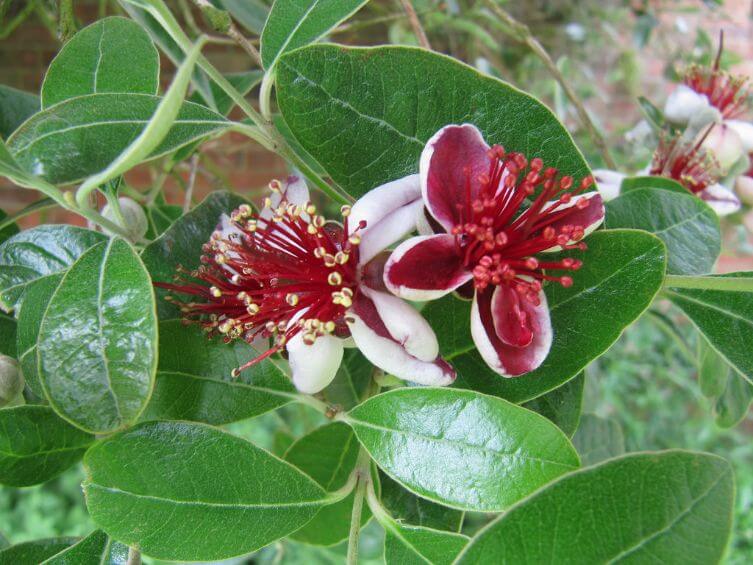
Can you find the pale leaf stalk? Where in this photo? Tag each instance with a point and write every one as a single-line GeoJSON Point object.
{"type": "Point", "coordinates": [415, 24]}
{"type": "Point", "coordinates": [724, 284]}
{"type": "Point", "coordinates": [522, 33]}
{"type": "Point", "coordinates": [363, 476]}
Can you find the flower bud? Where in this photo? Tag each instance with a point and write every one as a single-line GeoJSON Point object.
{"type": "Point", "coordinates": [683, 103]}
{"type": "Point", "coordinates": [744, 189]}
{"type": "Point", "coordinates": [11, 380]}
{"type": "Point", "coordinates": [725, 145]}
{"type": "Point", "coordinates": [134, 219]}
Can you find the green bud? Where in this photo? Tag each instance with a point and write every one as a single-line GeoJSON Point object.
{"type": "Point", "coordinates": [11, 380]}
{"type": "Point", "coordinates": [219, 20]}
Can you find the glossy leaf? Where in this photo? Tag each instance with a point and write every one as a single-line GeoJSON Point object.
{"type": "Point", "coordinates": [251, 14]}
{"type": "Point", "coordinates": [461, 448]}
{"type": "Point", "coordinates": [8, 336]}
{"type": "Point", "coordinates": [17, 106]}
{"type": "Point", "coordinates": [724, 318]}
{"type": "Point", "coordinates": [687, 226]}
{"type": "Point", "coordinates": [669, 507]}
{"type": "Point", "coordinates": [97, 348]}
{"type": "Point", "coordinates": [661, 183]}
{"type": "Point", "coordinates": [95, 549]}
{"type": "Point", "coordinates": [409, 545]}
{"type": "Point", "coordinates": [36, 445]}
{"type": "Point", "coordinates": [734, 401]}
{"type": "Point", "coordinates": [562, 405]}
{"type": "Point", "coordinates": [207, 495]}
{"type": "Point", "coordinates": [8, 227]}
{"type": "Point", "coordinates": [34, 551]}
{"type": "Point", "coordinates": [328, 455]}
{"type": "Point", "coordinates": [161, 217]}
{"type": "Point", "coordinates": [100, 58]}
{"type": "Point", "coordinates": [351, 380]}
{"type": "Point", "coordinates": [587, 318]}
{"type": "Point", "coordinates": [365, 114]}
{"type": "Point", "coordinates": [83, 135]}
{"type": "Point", "coordinates": [181, 243]}
{"type": "Point", "coordinates": [295, 23]}
{"type": "Point", "coordinates": [598, 439]}
{"type": "Point", "coordinates": [30, 314]}
{"type": "Point", "coordinates": [194, 380]}
{"type": "Point", "coordinates": [407, 508]}
{"type": "Point", "coordinates": [243, 83]}
{"type": "Point", "coordinates": [712, 370]}
{"type": "Point", "coordinates": [38, 252]}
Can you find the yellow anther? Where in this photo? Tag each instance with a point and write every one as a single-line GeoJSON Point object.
{"type": "Point", "coordinates": [235, 373]}
{"type": "Point", "coordinates": [267, 202]}
{"type": "Point", "coordinates": [292, 299]}
{"type": "Point", "coordinates": [282, 340]}
{"type": "Point", "coordinates": [253, 309]}
{"type": "Point", "coordinates": [235, 279]}
{"type": "Point", "coordinates": [354, 239]}
{"type": "Point", "coordinates": [341, 258]}
{"type": "Point", "coordinates": [319, 252]}
{"type": "Point", "coordinates": [214, 291]}
{"type": "Point", "coordinates": [310, 209]}
{"type": "Point", "coordinates": [225, 326]}
{"type": "Point", "coordinates": [220, 259]}
{"type": "Point", "coordinates": [329, 327]}
{"type": "Point", "coordinates": [319, 221]}
{"type": "Point", "coordinates": [271, 327]}
{"type": "Point", "coordinates": [242, 295]}
{"type": "Point", "coordinates": [347, 291]}
{"type": "Point", "coordinates": [346, 302]}
{"type": "Point", "coordinates": [335, 278]}
{"type": "Point", "coordinates": [329, 260]}
{"type": "Point", "coordinates": [275, 185]}
{"type": "Point", "coordinates": [251, 225]}
{"type": "Point", "coordinates": [245, 210]}
{"type": "Point", "coordinates": [309, 338]}
{"type": "Point", "coordinates": [311, 228]}
{"type": "Point", "coordinates": [345, 211]}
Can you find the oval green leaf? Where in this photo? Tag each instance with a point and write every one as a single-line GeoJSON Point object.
{"type": "Point", "coordinates": [562, 405]}
{"type": "Point", "coordinates": [95, 549]}
{"type": "Point", "coordinates": [660, 183]}
{"type": "Point", "coordinates": [36, 253]}
{"type": "Point", "coordinates": [670, 507]}
{"type": "Point", "coordinates": [97, 348]}
{"type": "Point", "coordinates": [598, 439]}
{"type": "Point", "coordinates": [407, 508]}
{"type": "Point", "coordinates": [91, 131]}
{"type": "Point", "coordinates": [34, 551]}
{"type": "Point", "coordinates": [587, 318]}
{"type": "Point", "coordinates": [100, 59]}
{"type": "Point", "coordinates": [190, 492]}
{"type": "Point", "coordinates": [194, 380]}
{"type": "Point", "coordinates": [295, 23]}
{"type": "Point", "coordinates": [725, 318]}
{"type": "Point", "coordinates": [686, 224]}
{"type": "Point", "coordinates": [181, 243]}
{"type": "Point", "coordinates": [17, 106]}
{"type": "Point", "coordinates": [328, 455]}
{"type": "Point", "coordinates": [36, 445]}
{"type": "Point", "coordinates": [461, 448]}
{"type": "Point", "coordinates": [414, 545]}
{"type": "Point", "coordinates": [365, 114]}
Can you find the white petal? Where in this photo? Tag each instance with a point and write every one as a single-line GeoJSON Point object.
{"type": "Point", "coordinates": [725, 144]}
{"type": "Point", "coordinates": [744, 189]}
{"type": "Point", "coordinates": [392, 358]}
{"type": "Point", "coordinates": [405, 325]}
{"type": "Point", "coordinates": [314, 366]}
{"type": "Point", "coordinates": [721, 199]}
{"type": "Point", "coordinates": [608, 182]}
{"type": "Point", "coordinates": [482, 342]}
{"type": "Point", "coordinates": [683, 103]}
{"type": "Point", "coordinates": [423, 227]}
{"type": "Point", "coordinates": [745, 131]}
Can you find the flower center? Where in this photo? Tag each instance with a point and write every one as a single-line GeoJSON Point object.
{"type": "Point", "coordinates": [273, 275]}
{"type": "Point", "coordinates": [687, 163]}
{"type": "Point", "coordinates": [499, 238]}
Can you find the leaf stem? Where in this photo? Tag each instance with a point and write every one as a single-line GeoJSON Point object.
{"type": "Point", "coordinates": [724, 284]}
{"type": "Point", "coordinates": [134, 557]}
{"type": "Point", "coordinates": [522, 33]}
{"type": "Point", "coordinates": [363, 476]}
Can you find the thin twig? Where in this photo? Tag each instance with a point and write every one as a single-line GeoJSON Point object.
{"type": "Point", "coordinates": [523, 34]}
{"type": "Point", "coordinates": [415, 23]}
{"type": "Point", "coordinates": [363, 475]}
{"type": "Point", "coordinates": [191, 183]}
{"type": "Point", "coordinates": [245, 44]}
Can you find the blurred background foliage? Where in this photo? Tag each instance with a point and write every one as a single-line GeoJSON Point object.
{"type": "Point", "coordinates": [611, 52]}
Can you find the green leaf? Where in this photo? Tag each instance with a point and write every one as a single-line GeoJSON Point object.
{"type": "Point", "coordinates": [8, 227]}
{"type": "Point", "coordinates": [328, 455]}
{"type": "Point", "coordinates": [205, 495]}
{"type": "Point", "coordinates": [100, 58]}
{"type": "Point", "coordinates": [725, 318]}
{"type": "Point", "coordinates": [295, 23]}
{"type": "Point", "coordinates": [661, 183]}
{"type": "Point", "coordinates": [243, 83]}
{"type": "Point", "coordinates": [562, 405]}
{"type": "Point", "coordinates": [91, 131]}
{"type": "Point", "coordinates": [409, 545]}
{"type": "Point", "coordinates": [181, 243]}
{"type": "Point", "coordinates": [15, 108]}
{"type": "Point", "coordinates": [30, 314]}
{"type": "Point", "coordinates": [251, 14]}
{"type": "Point", "coordinates": [351, 380]}
{"type": "Point", "coordinates": [161, 217]}
{"type": "Point", "coordinates": [36, 253]}
{"type": "Point", "coordinates": [461, 448]}
{"type": "Point", "coordinates": [4, 543]}
{"type": "Point", "coordinates": [733, 404]}
{"type": "Point", "coordinates": [712, 370]}
{"type": "Point", "coordinates": [587, 318]}
{"type": "Point", "coordinates": [407, 508]}
{"type": "Point", "coordinates": [194, 381]}
{"type": "Point", "coordinates": [94, 549]}
{"type": "Point", "coordinates": [598, 439]}
{"type": "Point", "coordinates": [97, 348]}
{"type": "Point", "coordinates": [36, 445]}
{"type": "Point", "coordinates": [365, 114]}
{"type": "Point", "coordinates": [8, 336]}
{"type": "Point", "coordinates": [34, 551]}
{"type": "Point", "coordinates": [686, 224]}
{"type": "Point", "coordinates": [670, 507]}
